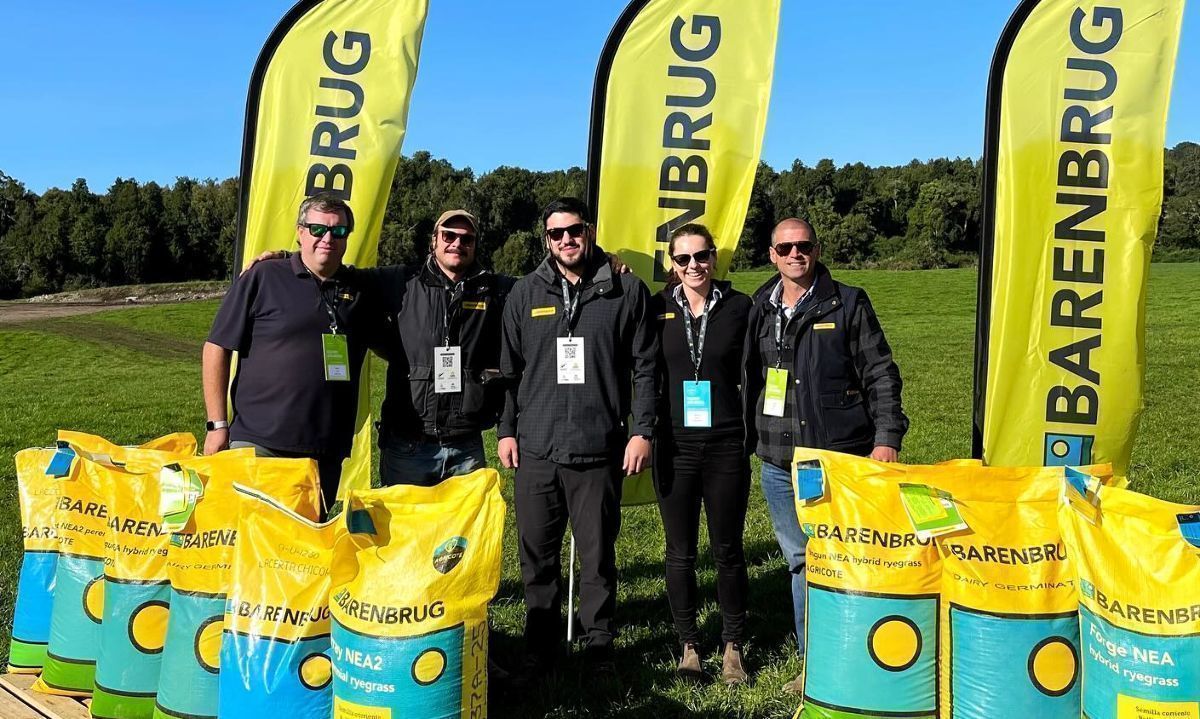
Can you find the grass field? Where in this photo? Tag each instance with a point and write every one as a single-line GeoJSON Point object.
{"type": "Point", "coordinates": [133, 374]}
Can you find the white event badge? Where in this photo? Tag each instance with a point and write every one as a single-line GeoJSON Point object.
{"type": "Point", "coordinates": [697, 404]}
{"type": "Point", "coordinates": [570, 360]}
{"type": "Point", "coordinates": [447, 370]}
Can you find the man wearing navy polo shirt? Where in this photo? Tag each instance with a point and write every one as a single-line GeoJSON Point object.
{"type": "Point", "coordinates": [301, 335]}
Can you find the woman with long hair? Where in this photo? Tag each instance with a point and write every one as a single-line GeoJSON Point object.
{"type": "Point", "coordinates": [699, 452]}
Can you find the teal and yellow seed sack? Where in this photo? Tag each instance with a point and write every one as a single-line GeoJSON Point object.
{"type": "Point", "coordinates": [275, 654]}
{"type": "Point", "coordinates": [412, 578]}
{"type": "Point", "coordinates": [136, 598]}
{"type": "Point", "coordinates": [1138, 563]}
{"type": "Point", "coordinates": [873, 606]}
{"type": "Point", "coordinates": [201, 510]}
{"type": "Point", "coordinates": [37, 493]}
{"type": "Point", "coordinates": [1010, 621]}
{"type": "Point", "coordinates": [81, 524]}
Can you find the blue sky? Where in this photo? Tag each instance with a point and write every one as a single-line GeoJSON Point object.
{"type": "Point", "coordinates": [156, 89]}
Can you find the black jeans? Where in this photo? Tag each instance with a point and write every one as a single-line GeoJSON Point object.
{"type": "Point", "coordinates": [546, 494]}
{"type": "Point", "coordinates": [717, 472]}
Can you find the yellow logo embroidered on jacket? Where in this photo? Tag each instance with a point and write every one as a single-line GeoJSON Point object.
{"type": "Point", "coordinates": [475, 306]}
{"type": "Point", "coordinates": [825, 326]}
{"type": "Point", "coordinates": [667, 316]}
{"type": "Point", "coordinates": [543, 311]}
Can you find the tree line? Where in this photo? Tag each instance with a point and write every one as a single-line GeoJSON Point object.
{"type": "Point", "coordinates": [916, 216]}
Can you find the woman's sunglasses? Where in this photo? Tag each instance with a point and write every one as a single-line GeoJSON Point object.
{"type": "Point", "coordinates": [702, 257]}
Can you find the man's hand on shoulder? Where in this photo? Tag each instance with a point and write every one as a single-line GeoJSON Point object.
{"type": "Point", "coordinates": [885, 454]}
{"type": "Point", "coordinates": [268, 255]}
{"type": "Point", "coordinates": [618, 267]}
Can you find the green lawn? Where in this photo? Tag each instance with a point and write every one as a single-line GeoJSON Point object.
{"type": "Point", "coordinates": [133, 374]}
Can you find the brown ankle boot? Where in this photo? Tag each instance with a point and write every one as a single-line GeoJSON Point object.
{"type": "Point", "coordinates": [732, 670]}
{"type": "Point", "coordinates": [689, 663]}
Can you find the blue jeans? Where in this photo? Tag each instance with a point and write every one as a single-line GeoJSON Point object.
{"type": "Point", "coordinates": [424, 463]}
{"type": "Point", "coordinates": [781, 503]}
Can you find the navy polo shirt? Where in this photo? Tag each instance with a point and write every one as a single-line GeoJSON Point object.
{"type": "Point", "coordinates": [273, 316]}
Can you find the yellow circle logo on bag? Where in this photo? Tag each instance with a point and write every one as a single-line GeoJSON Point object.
{"type": "Point", "coordinates": [1053, 666]}
{"type": "Point", "coordinates": [148, 627]}
{"type": "Point", "coordinates": [93, 600]}
{"type": "Point", "coordinates": [316, 672]}
{"type": "Point", "coordinates": [208, 644]}
{"type": "Point", "coordinates": [894, 643]}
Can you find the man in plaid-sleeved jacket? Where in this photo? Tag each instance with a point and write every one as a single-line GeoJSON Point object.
{"type": "Point", "coordinates": [819, 339]}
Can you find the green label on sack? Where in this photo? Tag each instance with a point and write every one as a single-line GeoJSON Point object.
{"type": "Point", "coordinates": [181, 489]}
{"type": "Point", "coordinates": [931, 511]}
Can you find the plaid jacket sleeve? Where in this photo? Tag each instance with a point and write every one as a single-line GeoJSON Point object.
{"type": "Point", "coordinates": [879, 375]}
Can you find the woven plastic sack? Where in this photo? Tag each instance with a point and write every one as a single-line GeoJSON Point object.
{"type": "Point", "coordinates": [871, 628]}
{"type": "Point", "coordinates": [38, 496]}
{"type": "Point", "coordinates": [81, 525]}
{"type": "Point", "coordinates": [275, 654]}
{"type": "Point", "coordinates": [136, 598]}
{"type": "Point", "coordinates": [1010, 621]}
{"type": "Point", "coordinates": [1138, 561]}
{"type": "Point", "coordinates": [412, 578]}
{"type": "Point", "coordinates": [200, 507]}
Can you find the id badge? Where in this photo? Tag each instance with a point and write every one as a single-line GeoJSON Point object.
{"type": "Point", "coordinates": [697, 404]}
{"type": "Point", "coordinates": [570, 360]}
{"type": "Point", "coordinates": [775, 400]}
{"type": "Point", "coordinates": [447, 370]}
{"type": "Point", "coordinates": [337, 358]}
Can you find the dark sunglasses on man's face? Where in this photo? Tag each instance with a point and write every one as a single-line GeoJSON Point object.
{"type": "Point", "coordinates": [318, 230]}
{"type": "Point", "coordinates": [784, 249]}
{"type": "Point", "coordinates": [575, 231]}
{"type": "Point", "coordinates": [464, 238]}
{"type": "Point", "coordinates": [703, 257]}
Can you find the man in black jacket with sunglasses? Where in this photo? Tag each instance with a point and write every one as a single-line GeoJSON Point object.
{"type": "Point", "coordinates": [579, 357]}
{"type": "Point", "coordinates": [819, 373]}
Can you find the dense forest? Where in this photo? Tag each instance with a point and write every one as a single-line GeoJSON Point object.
{"type": "Point", "coordinates": [920, 215]}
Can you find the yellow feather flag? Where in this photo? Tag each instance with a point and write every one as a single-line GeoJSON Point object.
{"type": "Point", "coordinates": [1077, 112]}
{"type": "Point", "coordinates": [678, 115]}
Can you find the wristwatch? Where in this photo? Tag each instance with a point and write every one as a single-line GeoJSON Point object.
{"type": "Point", "coordinates": [210, 425]}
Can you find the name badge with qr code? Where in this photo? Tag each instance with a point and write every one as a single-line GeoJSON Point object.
{"type": "Point", "coordinates": [570, 360]}
{"type": "Point", "coordinates": [447, 370]}
{"type": "Point", "coordinates": [337, 358]}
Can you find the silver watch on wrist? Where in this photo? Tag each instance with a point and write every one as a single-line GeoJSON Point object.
{"type": "Point", "coordinates": [211, 425]}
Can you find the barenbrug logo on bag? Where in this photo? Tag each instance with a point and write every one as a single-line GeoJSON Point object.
{"type": "Point", "coordinates": [447, 556]}
{"type": "Point", "coordinates": [1068, 450]}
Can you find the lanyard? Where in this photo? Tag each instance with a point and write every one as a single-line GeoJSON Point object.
{"type": "Point", "coordinates": [570, 305]}
{"type": "Point", "coordinates": [452, 309]}
{"type": "Point", "coordinates": [779, 335]}
{"type": "Point", "coordinates": [330, 307]}
{"type": "Point", "coordinates": [695, 347]}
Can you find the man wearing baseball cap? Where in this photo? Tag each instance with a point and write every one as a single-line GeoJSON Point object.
{"type": "Point", "coordinates": [443, 385]}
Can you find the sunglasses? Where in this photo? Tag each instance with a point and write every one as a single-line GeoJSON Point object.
{"type": "Point", "coordinates": [319, 230]}
{"type": "Point", "coordinates": [703, 257]}
{"type": "Point", "coordinates": [464, 238]}
{"type": "Point", "coordinates": [784, 249]}
{"type": "Point", "coordinates": [575, 231]}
